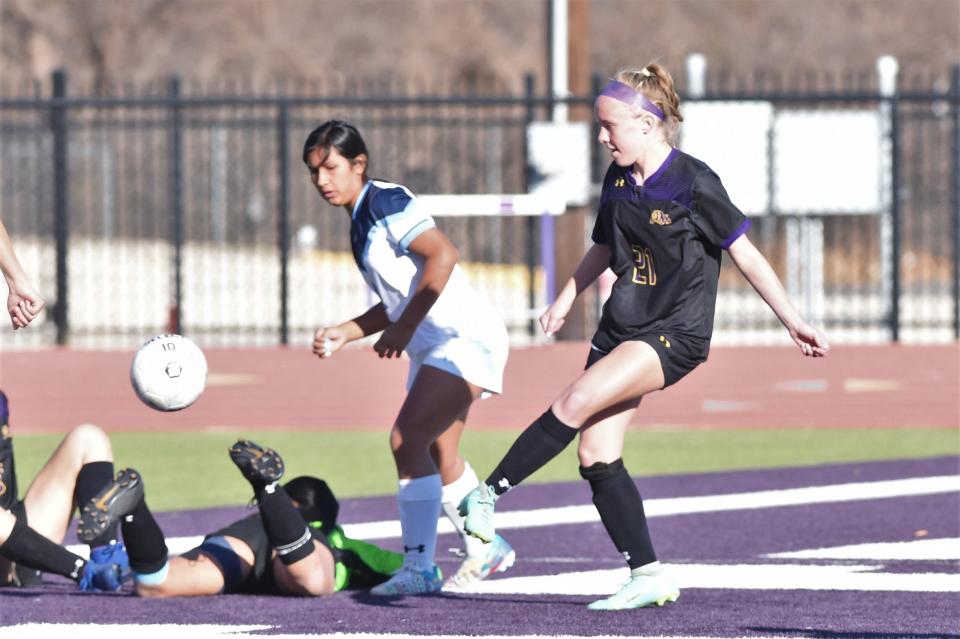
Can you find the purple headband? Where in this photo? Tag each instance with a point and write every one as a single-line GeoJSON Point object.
{"type": "Point", "coordinates": [628, 95]}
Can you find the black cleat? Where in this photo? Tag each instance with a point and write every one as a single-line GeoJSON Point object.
{"type": "Point", "coordinates": [261, 466]}
{"type": "Point", "coordinates": [116, 499]}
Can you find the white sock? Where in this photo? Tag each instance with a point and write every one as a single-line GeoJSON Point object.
{"type": "Point", "coordinates": [419, 503]}
{"type": "Point", "coordinates": [453, 494]}
{"type": "Point", "coordinates": [647, 570]}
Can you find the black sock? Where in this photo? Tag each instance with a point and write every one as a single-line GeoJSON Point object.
{"type": "Point", "coordinates": [29, 548]}
{"type": "Point", "coordinates": [8, 474]}
{"type": "Point", "coordinates": [92, 477]}
{"type": "Point", "coordinates": [621, 511]}
{"type": "Point", "coordinates": [543, 440]}
{"type": "Point", "coordinates": [145, 543]}
{"type": "Point", "coordinates": [286, 529]}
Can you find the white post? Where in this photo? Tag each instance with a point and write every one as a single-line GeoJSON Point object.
{"type": "Point", "coordinates": [696, 65]}
{"type": "Point", "coordinates": [559, 56]}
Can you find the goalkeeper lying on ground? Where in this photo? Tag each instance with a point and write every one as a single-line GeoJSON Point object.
{"type": "Point", "coordinates": [292, 546]}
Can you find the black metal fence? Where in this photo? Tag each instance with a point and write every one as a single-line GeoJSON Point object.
{"type": "Point", "coordinates": [178, 208]}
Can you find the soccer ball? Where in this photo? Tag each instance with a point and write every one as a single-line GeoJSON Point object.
{"type": "Point", "coordinates": [168, 372]}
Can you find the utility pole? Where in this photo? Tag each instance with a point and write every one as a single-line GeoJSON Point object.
{"type": "Point", "coordinates": [573, 228]}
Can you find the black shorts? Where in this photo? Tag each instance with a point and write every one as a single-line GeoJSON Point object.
{"type": "Point", "coordinates": [250, 530]}
{"type": "Point", "coordinates": [679, 354]}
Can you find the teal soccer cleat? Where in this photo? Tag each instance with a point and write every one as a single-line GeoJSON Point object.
{"type": "Point", "coordinates": [477, 511]}
{"type": "Point", "coordinates": [640, 591]}
{"type": "Point", "coordinates": [410, 581]}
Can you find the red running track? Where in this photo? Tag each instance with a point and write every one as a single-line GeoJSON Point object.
{"type": "Point", "coordinates": [290, 389]}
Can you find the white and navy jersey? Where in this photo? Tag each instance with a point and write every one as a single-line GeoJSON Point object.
{"type": "Point", "coordinates": [385, 221]}
{"type": "Point", "coordinates": [666, 239]}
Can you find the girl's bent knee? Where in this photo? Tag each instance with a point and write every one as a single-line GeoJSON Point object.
{"type": "Point", "coordinates": [589, 456]}
{"type": "Point", "coordinates": [91, 442]}
{"type": "Point", "coordinates": [574, 407]}
{"type": "Point", "coordinates": [317, 586]}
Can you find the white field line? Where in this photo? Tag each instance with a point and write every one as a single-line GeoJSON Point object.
{"type": "Point", "coordinates": [947, 549]}
{"type": "Point", "coordinates": [210, 631]}
{"type": "Point", "coordinates": [689, 505]}
{"type": "Point", "coordinates": [836, 493]}
{"type": "Point", "coordinates": [730, 576]}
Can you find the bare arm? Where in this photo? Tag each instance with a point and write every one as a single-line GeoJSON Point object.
{"type": "Point", "coordinates": [328, 340]}
{"type": "Point", "coordinates": [764, 280]}
{"type": "Point", "coordinates": [23, 302]}
{"type": "Point", "coordinates": [593, 263]}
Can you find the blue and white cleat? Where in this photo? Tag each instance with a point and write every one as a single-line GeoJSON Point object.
{"type": "Point", "coordinates": [640, 591]}
{"type": "Point", "coordinates": [410, 581]}
{"type": "Point", "coordinates": [499, 557]}
{"type": "Point", "coordinates": [477, 511]}
{"type": "Point", "coordinates": [113, 553]}
{"type": "Point", "coordinates": [101, 577]}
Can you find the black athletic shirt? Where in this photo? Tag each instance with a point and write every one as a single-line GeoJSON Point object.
{"type": "Point", "coordinates": [666, 239]}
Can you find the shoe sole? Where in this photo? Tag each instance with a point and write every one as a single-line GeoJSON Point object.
{"type": "Point", "coordinates": [671, 598]}
{"type": "Point", "coordinates": [405, 594]}
{"type": "Point", "coordinates": [116, 499]}
{"type": "Point", "coordinates": [264, 464]}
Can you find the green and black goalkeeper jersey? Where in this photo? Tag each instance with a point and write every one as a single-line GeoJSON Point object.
{"type": "Point", "coordinates": [666, 238]}
{"type": "Point", "coordinates": [359, 564]}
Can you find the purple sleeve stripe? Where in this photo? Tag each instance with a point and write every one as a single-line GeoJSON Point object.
{"type": "Point", "coordinates": [740, 230]}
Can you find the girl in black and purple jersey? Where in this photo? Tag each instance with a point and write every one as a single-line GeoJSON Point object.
{"type": "Point", "coordinates": [664, 221]}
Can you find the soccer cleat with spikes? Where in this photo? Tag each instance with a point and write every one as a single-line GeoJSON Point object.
{"type": "Point", "coordinates": [116, 499]}
{"type": "Point", "coordinates": [101, 577]}
{"type": "Point", "coordinates": [410, 581]}
{"type": "Point", "coordinates": [477, 511]}
{"type": "Point", "coordinates": [640, 591]}
{"type": "Point", "coordinates": [498, 558]}
{"type": "Point", "coordinates": [261, 466]}
{"type": "Point", "coordinates": [113, 553]}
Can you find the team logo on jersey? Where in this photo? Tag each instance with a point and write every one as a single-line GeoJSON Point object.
{"type": "Point", "coordinates": [665, 341]}
{"type": "Point", "coordinates": [660, 218]}
{"type": "Point", "coordinates": [619, 182]}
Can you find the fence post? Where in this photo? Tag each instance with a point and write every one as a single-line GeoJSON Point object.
{"type": "Point", "coordinates": [895, 240]}
{"type": "Point", "coordinates": [175, 188]}
{"type": "Point", "coordinates": [955, 191]}
{"type": "Point", "coordinates": [531, 221]}
{"type": "Point", "coordinates": [887, 68]}
{"type": "Point", "coordinates": [61, 201]}
{"type": "Point", "coordinates": [283, 216]}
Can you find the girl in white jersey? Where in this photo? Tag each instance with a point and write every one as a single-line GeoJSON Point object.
{"type": "Point", "coordinates": [456, 343]}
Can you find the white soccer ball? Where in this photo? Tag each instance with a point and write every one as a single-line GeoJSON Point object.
{"type": "Point", "coordinates": [169, 372]}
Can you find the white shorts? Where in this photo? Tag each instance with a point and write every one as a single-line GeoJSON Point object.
{"type": "Point", "coordinates": [480, 362]}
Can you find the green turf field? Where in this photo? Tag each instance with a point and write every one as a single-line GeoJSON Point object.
{"type": "Point", "coordinates": [194, 470]}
